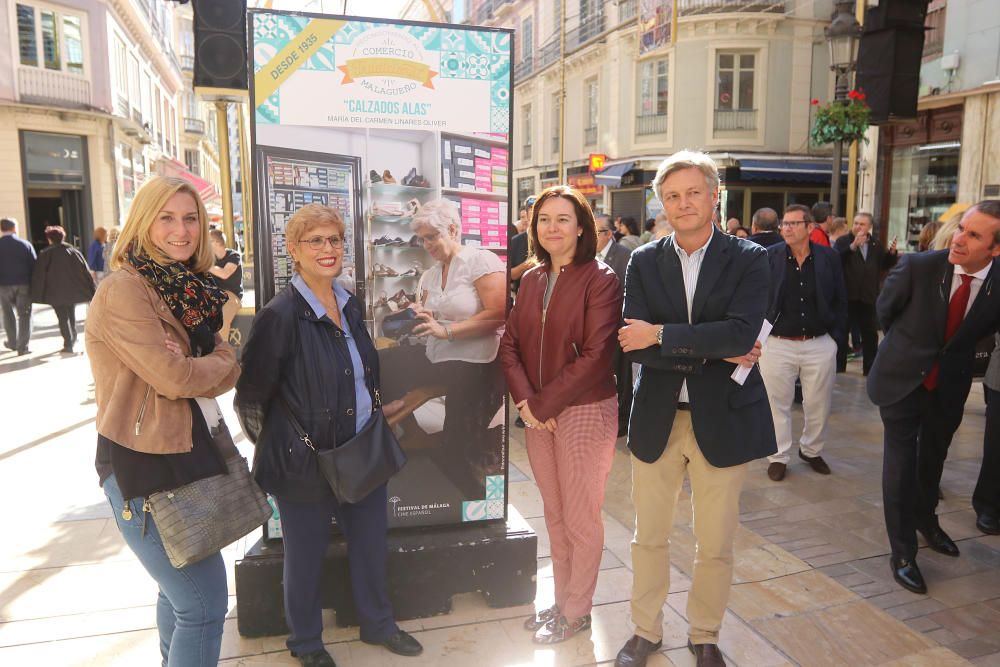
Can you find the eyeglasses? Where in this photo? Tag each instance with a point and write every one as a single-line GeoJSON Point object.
{"type": "Point", "coordinates": [605, 231]}
{"type": "Point", "coordinates": [319, 242]}
{"type": "Point", "coordinates": [791, 223]}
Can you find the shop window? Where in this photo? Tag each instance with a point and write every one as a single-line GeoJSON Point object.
{"type": "Point", "coordinates": [924, 185]}
{"type": "Point", "coordinates": [733, 206]}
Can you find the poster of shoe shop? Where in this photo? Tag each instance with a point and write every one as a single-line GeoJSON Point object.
{"type": "Point", "coordinates": [403, 127]}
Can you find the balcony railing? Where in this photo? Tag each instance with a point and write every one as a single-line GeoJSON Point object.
{"type": "Point", "coordinates": [40, 86]}
{"type": "Point", "coordinates": [194, 125]}
{"type": "Point", "coordinates": [695, 7]}
{"type": "Point", "coordinates": [121, 105]}
{"type": "Point", "coordinates": [627, 10]}
{"type": "Point", "coordinates": [548, 54]}
{"type": "Point", "coordinates": [588, 29]}
{"type": "Point", "coordinates": [727, 120]}
{"type": "Point", "coordinates": [524, 68]}
{"type": "Point", "coordinates": [651, 124]}
{"type": "Point", "coordinates": [187, 63]}
{"type": "Point", "coordinates": [589, 136]}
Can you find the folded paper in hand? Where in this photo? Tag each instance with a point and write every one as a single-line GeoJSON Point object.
{"type": "Point", "coordinates": [741, 373]}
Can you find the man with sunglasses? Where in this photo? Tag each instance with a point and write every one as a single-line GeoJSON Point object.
{"type": "Point", "coordinates": [808, 307]}
{"type": "Point", "coordinates": [934, 307]}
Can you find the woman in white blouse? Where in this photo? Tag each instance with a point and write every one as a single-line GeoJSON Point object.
{"type": "Point", "coordinates": [460, 306]}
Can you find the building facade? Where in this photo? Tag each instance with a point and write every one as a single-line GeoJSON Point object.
{"type": "Point", "coordinates": [946, 154]}
{"type": "Point", "coordinates": [91, 96]}
{"type": "Point", "coordinates": [736, 81]}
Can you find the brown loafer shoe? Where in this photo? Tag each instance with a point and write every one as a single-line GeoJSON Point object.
{"type": "Point", "coordinates": [816, 463]}
{"type": "Point", "coordinates": [776, 471]}
{"type": "Point", "coordinates": [636, 651]}
{"type": "Point", "coordinates": [707, 655]}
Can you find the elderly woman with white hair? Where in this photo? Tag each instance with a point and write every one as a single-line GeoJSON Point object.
{"type": "Point", "coordinates": [460, 308]}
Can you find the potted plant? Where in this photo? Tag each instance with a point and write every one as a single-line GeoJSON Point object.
{"type": "Point", "coordinates": [841, 120]}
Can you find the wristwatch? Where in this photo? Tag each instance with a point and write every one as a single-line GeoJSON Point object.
{"type": "Point", "coordinates": [659, 335]}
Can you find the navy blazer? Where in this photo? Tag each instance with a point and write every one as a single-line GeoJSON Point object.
{"type": "Point", "coordinates": [732, 423]}
{"type": "Point", "coordinates": [913, 312]}
{"type": "Point", "coordinates": [832, 304]}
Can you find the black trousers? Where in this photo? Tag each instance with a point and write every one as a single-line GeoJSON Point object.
{"type": "Point", "coordinates": [306, 534]}
{"type": "Point", "coordinates": [918, 432]}
{"type": "Point", "coordinates": [623, 381]}
{"type": "Point", "coordinates": [67, 324]}
{"type": "Point", "coordinates": [862, 314]}
{"type": "Point", "coordinates": [986, 497]}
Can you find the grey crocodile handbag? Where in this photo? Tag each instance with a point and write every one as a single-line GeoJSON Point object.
{"type": "Point", "coordinates": [198, 519]}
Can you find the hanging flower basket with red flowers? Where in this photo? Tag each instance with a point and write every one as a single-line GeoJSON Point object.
{"type": "Point", "coordinates": [844, 121]}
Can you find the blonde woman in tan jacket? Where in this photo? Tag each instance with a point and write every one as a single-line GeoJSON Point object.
{"type": "Point", "coordinates": [158, 364]}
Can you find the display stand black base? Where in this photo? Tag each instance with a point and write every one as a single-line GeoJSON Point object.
{"type": "Point", "coordinates": [426, 567]}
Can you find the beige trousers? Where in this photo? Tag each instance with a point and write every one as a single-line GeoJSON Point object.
{"type": "Point", "coordinates": [715, 500]}
{"type": "Point", "coordinates": [229, 310]}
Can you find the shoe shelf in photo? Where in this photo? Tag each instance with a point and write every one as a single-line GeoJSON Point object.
{"type": "Point", "coordinates": [474, 175]}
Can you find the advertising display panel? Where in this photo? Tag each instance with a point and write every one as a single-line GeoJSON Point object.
{"type": "Point", "coordinates": [403, 127]}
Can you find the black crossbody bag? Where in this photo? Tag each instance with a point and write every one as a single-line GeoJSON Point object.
{"type": "Point", "coordinates": [363, 463]}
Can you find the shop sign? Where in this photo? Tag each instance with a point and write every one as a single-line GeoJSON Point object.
{"type": "Point", "coordinates": [378, 119]}
{"type": "Point", "coordinates": [586, 185]}
{"type": "Point", "coordinates": [54, 159]}
{"type": "Point", "coordinates": [597, 161]}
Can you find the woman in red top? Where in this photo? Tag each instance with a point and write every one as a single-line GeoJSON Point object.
{"type": "Point", "coordinates": [557, 356]}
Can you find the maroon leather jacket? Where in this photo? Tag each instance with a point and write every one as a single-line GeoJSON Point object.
{"type": "Point", "coordinates": [567, 359]}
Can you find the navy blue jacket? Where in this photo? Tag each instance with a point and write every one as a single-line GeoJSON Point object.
{"type": "Point", "coordinates": [303, 356]}
{"type": "Point", "coordinates": [913, 312]}
{"type": "Point", "coordinates": [832, 302]}
{"type": "Point", "coordinates": [17, 260]}
{"type": "Point", "coordinates": [732, 423]}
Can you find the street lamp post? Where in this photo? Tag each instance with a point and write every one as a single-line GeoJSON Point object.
{"type": "Point", "coordinates": [843, 37]}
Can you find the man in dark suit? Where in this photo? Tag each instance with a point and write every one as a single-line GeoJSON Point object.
{"type": "Point", "coordinates": [934, 307]}
{"type": "Point", "coordinates": [808, 307]}
{"type": "Point", "coordinates": [764, 227]}
{"type": "Point", "coordinates": [694, 305]}
{"type": "Point", "coordinates": [864, 260]}
{"type": "Point", "coordinates": [517, 247]}
{"type": "Point", "coordinates": [616, 256]}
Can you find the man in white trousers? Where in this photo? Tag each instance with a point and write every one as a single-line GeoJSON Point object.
{"type": "Point", "coordinates": [808, 307]}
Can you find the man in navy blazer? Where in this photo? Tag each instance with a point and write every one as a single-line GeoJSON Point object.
{"type": "Point", "coordinates": [694, 305]}
{"type": "Point", "coordinates": [808, 308]}
{"type": "Point", "coordinates": [934, 307]}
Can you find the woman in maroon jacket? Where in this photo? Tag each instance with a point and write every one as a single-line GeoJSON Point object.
{"type": "Point", "coordinates": [557, 356]}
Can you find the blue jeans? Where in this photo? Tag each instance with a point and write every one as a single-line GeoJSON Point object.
{"type": "Point", "coordinates": [193, 600]}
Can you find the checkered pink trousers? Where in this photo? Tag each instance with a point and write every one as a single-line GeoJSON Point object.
{"type": "Point", "coordinates": [571, 469]}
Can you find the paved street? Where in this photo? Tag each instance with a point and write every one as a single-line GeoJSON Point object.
{"type": "Point", "coordinates": [813, 583]}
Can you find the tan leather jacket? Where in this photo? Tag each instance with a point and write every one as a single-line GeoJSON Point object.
{"type": "Point", "coordinates": [141, 387]}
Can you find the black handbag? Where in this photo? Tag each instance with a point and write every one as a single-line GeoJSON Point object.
{"type": "Point", "coordinates": [363, 463]}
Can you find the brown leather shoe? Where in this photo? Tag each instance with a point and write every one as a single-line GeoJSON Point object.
{"type": "Point", "coordinates": [776, 471]}
{"type": "Point", "coordinates": [636, 651]}
{"type": "Point", "coordinates": [816, 463]}
{"type": "Point", "coordinates": [707, 655]}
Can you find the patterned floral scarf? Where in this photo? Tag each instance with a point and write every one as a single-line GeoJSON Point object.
{"type": "Point", "coordinates": [194, 299]}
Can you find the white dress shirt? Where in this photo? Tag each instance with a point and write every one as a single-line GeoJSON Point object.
{"type": "Point", "coordinates": [690, 268]}
{"type": "Point", "coordinates": [977, 282]}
